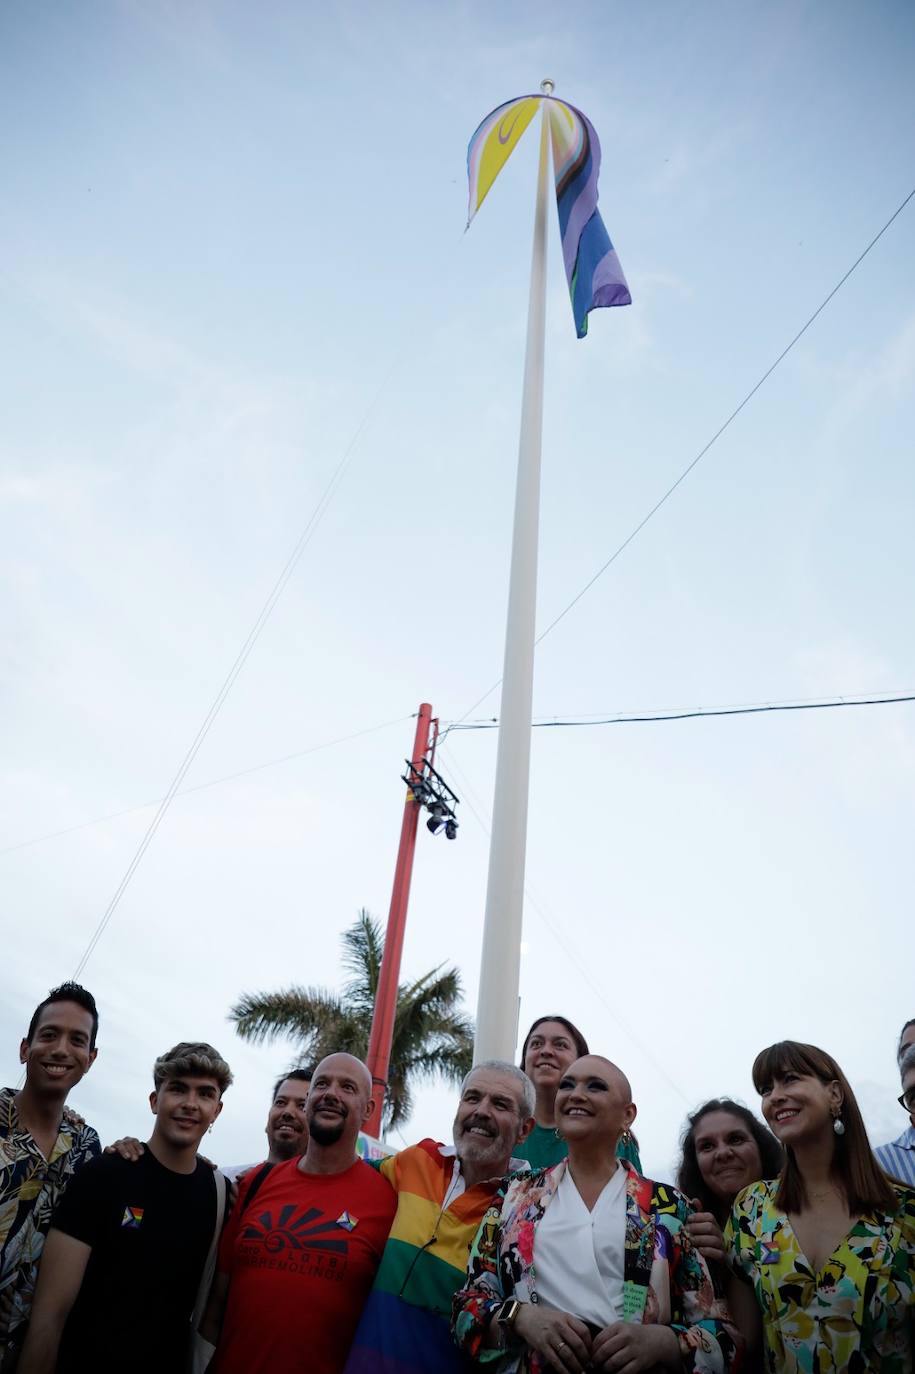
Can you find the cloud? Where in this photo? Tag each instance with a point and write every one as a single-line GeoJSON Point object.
{"type": "Point", "coordinates": [862, 380]}
{"type": "Point", "coordinates": [192, 28]}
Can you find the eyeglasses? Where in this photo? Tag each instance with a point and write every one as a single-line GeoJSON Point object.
{"type": "Point", "coordinates": [907, 1100]}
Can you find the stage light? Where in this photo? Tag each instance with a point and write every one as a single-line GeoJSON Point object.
{"type": "Point", "coordinates": [451, 828]}
{"type": "Point", "coordinates": [437, 818]}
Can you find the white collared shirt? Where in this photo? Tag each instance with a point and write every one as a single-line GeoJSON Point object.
{"type": "Point", "coordinates": [579, 1255]}
{"type": "Point", "coordinates": [458, 1185]}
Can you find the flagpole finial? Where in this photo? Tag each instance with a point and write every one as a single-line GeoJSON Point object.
{"type": "Point", "coordinates": [547, 86]}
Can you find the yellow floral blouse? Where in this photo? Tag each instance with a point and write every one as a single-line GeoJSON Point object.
{"type": "Point", "coordinates": [855, 1315]}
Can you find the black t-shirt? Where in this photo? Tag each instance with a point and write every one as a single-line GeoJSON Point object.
{"type": "Point", "coordinates": [150, 1230]}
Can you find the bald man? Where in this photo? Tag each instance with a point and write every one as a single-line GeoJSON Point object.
{"type": "Point", "coordinates": [296, 1264]}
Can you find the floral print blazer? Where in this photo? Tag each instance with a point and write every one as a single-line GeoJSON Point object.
{"type": "Point", "coordinates": [664, 1279]}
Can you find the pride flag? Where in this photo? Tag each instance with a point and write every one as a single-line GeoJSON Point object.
{"type": "Point", "coordinates": [593, 269]}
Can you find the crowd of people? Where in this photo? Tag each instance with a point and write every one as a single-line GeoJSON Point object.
{"type": "Point", "coordinates": [530, 1243]}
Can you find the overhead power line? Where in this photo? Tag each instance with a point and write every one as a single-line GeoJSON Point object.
{"type": "Point", "coordinates": [697, 714]}
{"type": "Point", "coordinates": [490, 723]}
{"type": "Point", "coordinates": [396, 359]}
{"type": "Point", "coordinates": [478, 812]}
{"type": "Point", "coordinates": [241, 659]}
{"type": "Point", "coordinates": [662, 500]}
{"type": "Point", "coordinates": [202, 786]}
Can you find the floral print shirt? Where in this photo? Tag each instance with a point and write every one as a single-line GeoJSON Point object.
{"type": "Point", "coordinates": [665, 1279]}
{"type": "Point", "coordinates": [855, 1315]}
{"type": "Point", "coordinates": [30, 1187]}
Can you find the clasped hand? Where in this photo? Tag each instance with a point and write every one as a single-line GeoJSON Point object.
{"type": "Point", "coordinates": [567, 1345]}
{"type": "Point", "coordinates": [705, 1234]}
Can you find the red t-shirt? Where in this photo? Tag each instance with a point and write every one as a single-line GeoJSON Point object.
{"type": "Point", "coordinates": [300, 1261]}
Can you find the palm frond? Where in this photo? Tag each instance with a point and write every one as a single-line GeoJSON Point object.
{"type": "Point", "coordinates": [433, 1038]}
{"type": "Point", "coordinates": [297, 1012]}
{"type": "Point", "coordinates": [363, 948]}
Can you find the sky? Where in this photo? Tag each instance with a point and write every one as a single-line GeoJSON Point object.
{"type": "Point", "coordinates": [232, 258]}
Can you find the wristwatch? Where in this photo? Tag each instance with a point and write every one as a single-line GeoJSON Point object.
{"type": "Point", "coordinates": [506, 1314]}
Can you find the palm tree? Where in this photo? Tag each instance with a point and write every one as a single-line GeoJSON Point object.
{"type": "Point", "coordinates": [432, 1037]}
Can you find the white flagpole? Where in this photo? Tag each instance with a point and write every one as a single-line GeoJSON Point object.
{"type": "Point", "coordinates": [497, 1004]}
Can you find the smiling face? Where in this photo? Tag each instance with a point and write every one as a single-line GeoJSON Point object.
{"type": "Point", "coordinates": [489, 1122]}
{"type": "Point", "coordinates": [799, 1106]}
{"type": "Point", "coordinates": [550, 1051]}
{"type": "Point", "coordinates": [594, 1101]}
{"type": "Point", "coordinates": [727, 1155]}
{"type": "Point", "coordinates": [185, 1107]}
{"type": "Point", "coordinates": [58, 1054]}
{"type": "Point", "coordinates": [287, 1127]}
{"type": "Point", "coordinates": [339, 1101]}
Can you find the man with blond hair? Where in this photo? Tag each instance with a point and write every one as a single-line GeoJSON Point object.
{"type": "Point", "coordinates": [129, 1242]}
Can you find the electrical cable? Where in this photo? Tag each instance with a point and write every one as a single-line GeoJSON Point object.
{"type": "Point", "coordinates": [699, 713]}
{"type": "Point", "coordinates": [241, 659]}
{"type": "Point", "coordinates": [704, 450]}
{"type": "Point", "coordinates": [553, 722]}
{"type": "Point", "coordinates": [253, 635]}
{"type": "Point", "coordinates": [562, 941]}
{"type": "Point", "coordinates": [202, 786]}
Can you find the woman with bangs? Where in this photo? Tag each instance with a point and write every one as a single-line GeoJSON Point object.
{"type": "Point", "coordinates": [829, 1247]}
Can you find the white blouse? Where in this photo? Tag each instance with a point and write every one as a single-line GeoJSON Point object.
{"type": "Point", "coordinates": [579, 1255]}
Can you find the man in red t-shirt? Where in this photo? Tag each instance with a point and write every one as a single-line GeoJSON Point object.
{"type": "Point", "coordinates": [297, 1260]}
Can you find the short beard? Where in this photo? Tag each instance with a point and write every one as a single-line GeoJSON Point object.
{"type": "Point", "coordinates": [289, 1149]}
{"type": "Point", "coordinates": [326, 1135]}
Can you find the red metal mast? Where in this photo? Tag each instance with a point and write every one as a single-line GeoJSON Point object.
{"type": "Point", "coordinates": [379, 1054]}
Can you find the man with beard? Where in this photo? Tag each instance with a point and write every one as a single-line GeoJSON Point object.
{"type": "Point", "coordinates": [287, 1127]}
{"type": "Point", "coordinates": [442, 1194]}
{"type": "Point", "coordinates": [295, 1267]}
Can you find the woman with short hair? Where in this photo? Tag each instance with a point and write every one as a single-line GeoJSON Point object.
{"type": "Point", "coordinates": [828, 1248]}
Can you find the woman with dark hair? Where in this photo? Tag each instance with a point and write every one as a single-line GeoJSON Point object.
{"type": "Point", "coordinates": [725, 1149]}
{"type": "Point", "coordinates": [829, 1246]}
{"type": "Point", "coordinates": [550, 1046]}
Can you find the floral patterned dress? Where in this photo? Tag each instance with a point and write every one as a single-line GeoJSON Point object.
{"type": "Point", "coordinates": [855, 1315]}
{"type": "Point", "coordinates": [665, 1279]}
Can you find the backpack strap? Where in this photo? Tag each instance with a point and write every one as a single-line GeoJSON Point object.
{"type": "Point", "coordinates": [201, 1351]}
{"type": "Point", "coordinates": [256, 1182]}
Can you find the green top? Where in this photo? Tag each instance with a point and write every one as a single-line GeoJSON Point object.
{"type": "Point", "coordinates": [544, 1148]}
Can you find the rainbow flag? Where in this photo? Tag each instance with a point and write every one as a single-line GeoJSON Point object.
{"type": "Point", "coordinates": [405, 1326]}
{"type": "Point", "coordinates": [593, 269]}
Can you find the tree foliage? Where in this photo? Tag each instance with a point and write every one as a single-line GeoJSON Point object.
{"type": "Point", "coordinates": [432, 1036]}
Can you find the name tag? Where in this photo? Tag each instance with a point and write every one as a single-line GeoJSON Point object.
{"type": "Point", "coordinates": [635, 1296]}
